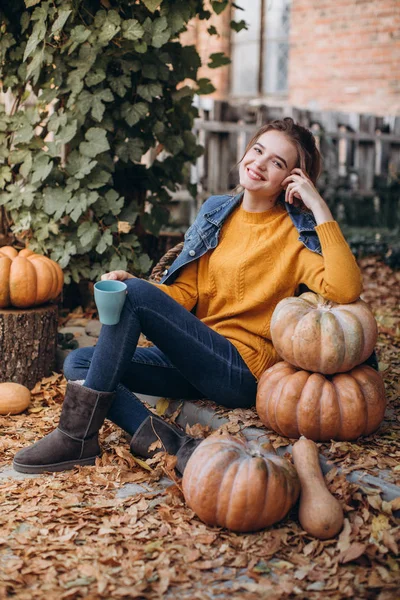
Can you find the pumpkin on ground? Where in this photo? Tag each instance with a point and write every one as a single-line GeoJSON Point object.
{"type": "Point", "coordinates": [320, 513]}
{"type": "Point", "coordinates": [14, 398]}
{"type": "Point", "coordinates": [321, 336]}
{"type": "Point", "coordinates": [293, 402]}
{"type": "Point", "coordinates": [28, 279]}
{"type": "Point", "coordinates": [243, 486]}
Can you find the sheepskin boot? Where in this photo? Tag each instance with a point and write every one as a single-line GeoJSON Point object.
{"type": "Point", "coordinates": [75, 441]}
{"type": "Point", "coordinates": [173, 440]}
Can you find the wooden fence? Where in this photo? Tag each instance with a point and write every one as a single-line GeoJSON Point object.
{"type": "Point", "coordinates": [361, 155]}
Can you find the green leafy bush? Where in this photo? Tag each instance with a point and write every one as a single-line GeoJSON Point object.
{"type": "Point", "coordinates": [96, 85]}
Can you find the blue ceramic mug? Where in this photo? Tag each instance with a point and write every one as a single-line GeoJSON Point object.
{"type": "Point", "coordinates": [109, 296]}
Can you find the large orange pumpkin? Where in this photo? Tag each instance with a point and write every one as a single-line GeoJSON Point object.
{"type": "Point", "coordinates": [321, 336]}
{"type": "Point", "coordinates": [238, 485]}
{"type": "Point", "coordinates": [28, 279]}
{"type": "Point", "coordinates": [342, 407]}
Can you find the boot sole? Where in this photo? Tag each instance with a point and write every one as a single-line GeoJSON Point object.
{"type": "Point", "coordinates": [64, 466]}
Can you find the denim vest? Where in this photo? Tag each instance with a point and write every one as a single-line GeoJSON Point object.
{"type": "Point", "coordinates": [203, 235]}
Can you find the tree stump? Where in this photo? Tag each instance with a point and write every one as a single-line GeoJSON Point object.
{"type": "Point", "coordinates": [28, 342]}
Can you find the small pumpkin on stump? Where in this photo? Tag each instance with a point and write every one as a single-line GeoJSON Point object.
{"type": "Point", "coordinates": [28, 279]}
{"type": "Point", "coordinates": [296, 402]}
{"type": "Point", "coordinates": [14, 398]}
{"type": "Point", "coordinates": [243, 486]}
{"type": "Point", "coordinates": [315, 334]}
{"type": "Point", "coordinates": [29, 283]}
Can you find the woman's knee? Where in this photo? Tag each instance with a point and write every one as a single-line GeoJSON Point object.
{"type": "Point", "coordinates": [76, 362]}
{"type": "Point", "coordinates": [140, 291]}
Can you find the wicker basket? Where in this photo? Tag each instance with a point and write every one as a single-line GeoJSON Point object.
{"type": "Point", "coordinates": [165, 262]}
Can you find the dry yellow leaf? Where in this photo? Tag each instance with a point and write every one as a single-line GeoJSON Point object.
{"type": "Point", "coordinates": [142, 463]}
{"type": "Point", "coordinates": [124, 227]}
{"type": "Point", "coordinates": [379, 524]}
{"type": "Point", "coordinates": [162, 406]}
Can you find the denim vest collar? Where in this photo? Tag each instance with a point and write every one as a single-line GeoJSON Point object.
{"type": "Point", "coordinates": [303, 221]}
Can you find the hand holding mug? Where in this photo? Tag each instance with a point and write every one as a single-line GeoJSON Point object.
{"type": "Point", "coordinates": [116, 276]}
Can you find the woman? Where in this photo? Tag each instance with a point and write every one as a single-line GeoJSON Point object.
{"type": "Point", "coordinates": [209, 317]}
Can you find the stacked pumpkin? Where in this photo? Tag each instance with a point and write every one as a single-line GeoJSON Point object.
{"type": "Point", "coordinates": [322, 390]}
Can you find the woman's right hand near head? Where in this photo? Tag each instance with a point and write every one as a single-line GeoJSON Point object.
{"type": "Point", "coordinates": [117, 276]}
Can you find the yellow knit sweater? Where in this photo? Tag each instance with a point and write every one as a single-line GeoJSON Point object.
{"type": "Point", "coordinates": [259, 261]}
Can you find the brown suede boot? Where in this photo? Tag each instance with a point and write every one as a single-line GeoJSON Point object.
{"type": "Point", "coordinates": [173, 440]}
{"type": "Point", "coordinates": [75, 441]}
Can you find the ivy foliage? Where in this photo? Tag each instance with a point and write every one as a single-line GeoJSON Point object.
{"type": "Point", "coordinates": [96, 84]}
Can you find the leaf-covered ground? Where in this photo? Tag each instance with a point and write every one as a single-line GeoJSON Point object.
{"type": "Point", "coordinates": [68, 535]}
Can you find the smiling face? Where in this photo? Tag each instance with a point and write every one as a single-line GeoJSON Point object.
{"type": "Point", "coordinates": [266, 164]}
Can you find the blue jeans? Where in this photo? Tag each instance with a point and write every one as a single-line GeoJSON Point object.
{"type": "Point", "coordinates": [189, 360]}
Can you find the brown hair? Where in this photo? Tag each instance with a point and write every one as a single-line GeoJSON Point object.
{"type": "Point", "coordinates": [309, 157]}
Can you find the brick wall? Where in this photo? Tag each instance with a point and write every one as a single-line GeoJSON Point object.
{"type": "Point", "coordinates": [345, 55]}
